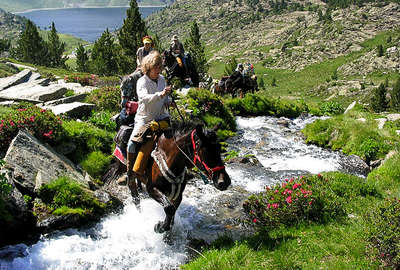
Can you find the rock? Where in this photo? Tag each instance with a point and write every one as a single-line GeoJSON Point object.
{"type": "Point", "coordinates": [21, 66]}
{"type": "Point", "coordinates": [393, 116]}
{"type": "Point", "coordinates": [354, 165]}
{"type": "Point", "coordinates": [31, 164]}
{"type": "Point", "coordinates": [35, 92]}
{"type": "Point", "coordinates": [21, 77]}
{"type": "Point", "coordinates": [16, 221]}
{"type": "Point", "coordinates": [79, 97]}
{"type": "Point", "coordinates": [351, 106]}
{"type": "Point", "coordinates": [381, 122]}
{"type": "Point", "coordinates": [73, 110]}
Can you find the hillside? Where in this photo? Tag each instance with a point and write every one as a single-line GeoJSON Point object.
{"type": "Point", "coordinates": [302, 38]}
{"type": "Point", "coordinates": [22, 5]}
{"type": "Point", "coordinates": [10, 25]}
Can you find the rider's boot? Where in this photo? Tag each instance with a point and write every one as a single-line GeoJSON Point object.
{"type": "Point", "coordinates": [130, 161]}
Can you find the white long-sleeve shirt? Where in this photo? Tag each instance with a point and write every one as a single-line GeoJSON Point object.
{"type": "Point", "coordinates": [152, 106]}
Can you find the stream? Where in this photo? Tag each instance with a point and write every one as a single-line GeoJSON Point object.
{"type": "Point", "coordinates": [126, 240]}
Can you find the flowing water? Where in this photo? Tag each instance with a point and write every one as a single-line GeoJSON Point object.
{"type": "Point", "coordinates": [127, 241]}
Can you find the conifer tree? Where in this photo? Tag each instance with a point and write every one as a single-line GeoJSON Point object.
{"type": "Point", "coordinates": [131, 33]}
{"type": "Point", "coordinates": [31, 48]}
{"type": "Point", "coordinates": [230, 66]}
{"type": "Point", "coordinates": [395, 97]}
{"type": "Point", "coordinates": [56, 49]}
{"type": "Point", "coordinates": [378, 99]}
{"type": "Point", "coordinates": [196, 49]}
{"type": "Point", "coordinates": [82, 59]}
{"type": "Point", "coordinates": [104, 55]}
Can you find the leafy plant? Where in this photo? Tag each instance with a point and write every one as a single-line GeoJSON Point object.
{"type": "Point", "coordinates": [5, 187]}
{"type": "Point", "coordinates": [384, 233]}
{"type": "Point", "coordinates": [65, 194]}
{"type": "Point", "coordinates": [102, 119]}
{"type": "Point", "coordinates": [106, 98]}
{"type": "Point", "coordinates": [96, 164]}
{"type": "Point", "coordinates": [82, 79]}
{"type": "Point", "coordinates": [43, 124]}
{"type": "Point", "coordinates": [331, 108]}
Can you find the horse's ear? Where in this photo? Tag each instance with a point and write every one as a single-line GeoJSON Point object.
{"type": "Point", "coordinates": [199, 130]}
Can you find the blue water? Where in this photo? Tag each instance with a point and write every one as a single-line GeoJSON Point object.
{"type": "Point", "coordinates": [85, 23]}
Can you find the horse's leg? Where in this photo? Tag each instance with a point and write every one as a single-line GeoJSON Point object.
{"type": "Point", "coordinates": [169, 209]}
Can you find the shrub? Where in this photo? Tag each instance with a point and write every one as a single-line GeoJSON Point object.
{"type": "Point", "coordinates": [43, 124]}
{"type": "Point", "coordinates": [103, 120]}
{"type": "Point", "coordinates": [312, 198]}
{"type": "Point", "coordinates": [384, 233]}
{"type": "Point", "coordinates": [65, 195]}
{"type": "Point", "coordinates": [210, 108]}
{"type": "Point", "coordinates": [291, 202]}
{"type": "Point", "coordinates": [84, 80]}
{"type": "Point", "coordinates": [254, 104]}
{"type": "Point", "coordinates": [96, 164]}
{"type": "Point", "coordinates": [87, 138]}
{"type": "Point", "coordinates": [378, 99]}
{"type": "Point", "coordinates": [106, 98]}
{"type": "Point", "coordinates": [331, 108]}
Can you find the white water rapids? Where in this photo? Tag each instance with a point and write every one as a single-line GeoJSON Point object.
{"type": "Point", "coordinates": [127, 240]}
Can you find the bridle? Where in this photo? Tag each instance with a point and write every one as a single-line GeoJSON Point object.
{"type": "Point", "coordinates": [210, 171]}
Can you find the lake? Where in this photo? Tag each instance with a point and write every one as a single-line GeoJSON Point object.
{"type": "Point", "coordinates": [85, 23]}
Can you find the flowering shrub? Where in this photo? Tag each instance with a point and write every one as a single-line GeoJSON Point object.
{"type": "Point", "coordinates": [106, 98]}
{"type": "Point", "coordinates": [384, 233]}
{"type": "Point", "coordinates": [293, 201]}
{"type": "Point", "coordinates": [83, 79]}
{"type": "Point", "coordinates": [43, 124]}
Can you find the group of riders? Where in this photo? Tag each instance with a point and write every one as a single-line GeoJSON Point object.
{"type": "Point", "coordinates": [144, 101]}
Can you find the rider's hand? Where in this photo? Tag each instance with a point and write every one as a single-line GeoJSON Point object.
{"type": "Point", "coordinates": [166, 91]}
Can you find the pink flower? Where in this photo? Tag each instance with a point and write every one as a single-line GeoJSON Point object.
{"type": "Point", "coordinates": [289, 199]}
{"type": "Point", "coordinates": [32, 118]}
{"type": "Point", "coordinates": [275, 205]}
{"type": "Point", "coordinates": [268, 206]}
{"type": "Point", "coordinates": [42, 110]}
{"type": "Point", "coordinates": [310, 202]}
{"type": "Point", "coordinates": [319, 175]}
{"type": "Point", "coordinates": [48, 134]}
{"type": "Point", "coordinates": [296, 185]}
{"type": "Point", "coordinates": [268, 188]}
{"type": "Point", "coordinates": [276, 191]}
{"type": "Point", "coordinates": [254, 220]}
{"type": "Point", "coordinates": [22, 110]}
{"type": "Point", "coordinates": [291, 180]}
{"type": "Point", "coordinates": [12, 123]}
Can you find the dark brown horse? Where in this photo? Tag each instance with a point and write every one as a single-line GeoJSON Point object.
{"type": "Point", "coordinates": [173, 65]}
{"type": "Point", "coordinates": [165, 175]}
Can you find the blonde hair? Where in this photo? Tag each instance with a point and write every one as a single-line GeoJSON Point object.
{"type": "Point", "coordinates": [153, 59]}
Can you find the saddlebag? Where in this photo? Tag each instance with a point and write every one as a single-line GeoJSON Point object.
{"type": "Point", "coordinates": [122, 136]}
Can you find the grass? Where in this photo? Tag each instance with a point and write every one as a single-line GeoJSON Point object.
{"type": "Point", "coordinates": [339, 244]}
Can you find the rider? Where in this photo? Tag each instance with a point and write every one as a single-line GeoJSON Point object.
{"type": "Point", "coordinates": [145, 50]}
{"type": "Point", "coordinates": [237, 74]}
{"type": "Point", "coordinates": [177, 48]}
{"type": "Point", "coordinates": [153, 101]}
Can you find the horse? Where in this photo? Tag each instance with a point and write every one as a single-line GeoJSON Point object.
{"type": "Point", "coordinates": [166, 174]}
{"type": "Point", "coordinates": [173, 65]}
{"type": "Point", "coordinates": [244, 84]}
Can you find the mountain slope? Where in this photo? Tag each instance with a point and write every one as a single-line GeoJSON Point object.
{"type": "Point", "coordinates": [290, 40]}
{"type": "Point", "coordinates": [10, 25]}
{"type": "Point", "coordinates": [21, 5]}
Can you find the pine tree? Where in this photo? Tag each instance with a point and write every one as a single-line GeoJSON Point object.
{"type": "Point", "coordinates": [82, 59]}
{"type": "Point", "coordinates": [104, 55]}
{"type": "Point", "coordinates": [131, 33]}
{"type": "Point", "coordinates": [395, 97]}
{"type": "Point", "coordinates": [378, 99]}
{"type": "Point", "coordinates": [56, 49]}
{"type": "Point", "coordinates": [31, 48]}
{"type": "Point", "coordinates": [196, 49]}
{"type": "Point", "coordinates": [230, 66]}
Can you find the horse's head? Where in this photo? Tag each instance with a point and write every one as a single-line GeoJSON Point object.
{"type": "Point", "coordinates": [207, 151]}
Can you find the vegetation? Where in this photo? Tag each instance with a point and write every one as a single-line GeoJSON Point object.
{"type": "Point", "coordinates": [66, 196]}
{"type": "Point", "coordinates": [196, 49]}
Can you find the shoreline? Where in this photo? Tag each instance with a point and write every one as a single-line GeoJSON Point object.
{"type": "Point", "coordinates": [38, 9]}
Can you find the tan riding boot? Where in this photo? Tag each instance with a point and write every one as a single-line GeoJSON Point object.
{"type": "Point", "coordinates": [130, 161]}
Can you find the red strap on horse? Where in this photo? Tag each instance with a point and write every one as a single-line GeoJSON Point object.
{"type": "Point", "coordinates": [196, 157]}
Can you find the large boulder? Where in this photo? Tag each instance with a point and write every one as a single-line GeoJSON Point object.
{"type": "Point", "coordinates": [34, 91]}
{"type": "Point", "coordinates": [18, 78]}
{"type": "Point", "coordinates": [73, 110]}
{"type": "Point", "coordinates": [32, 164]}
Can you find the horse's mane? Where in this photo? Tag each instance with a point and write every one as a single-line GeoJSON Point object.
{"type": "Point", "coordinates": [180, 128]}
